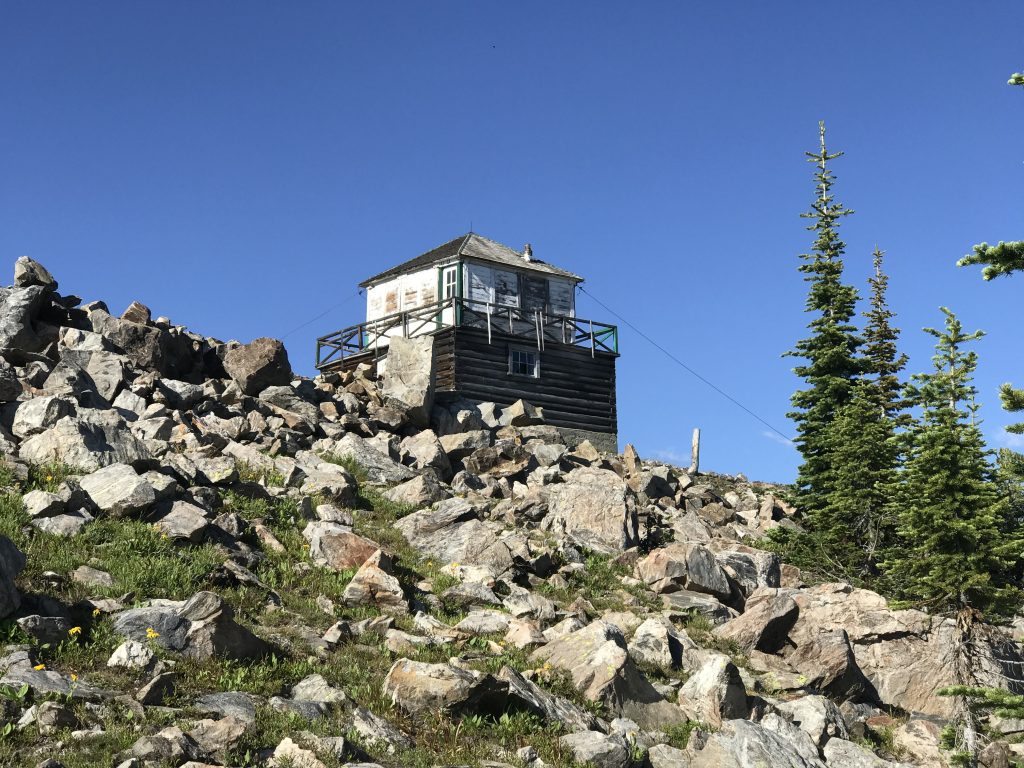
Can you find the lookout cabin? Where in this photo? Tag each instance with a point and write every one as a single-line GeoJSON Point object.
{"type": "Point", "coordinates": [505, 328]}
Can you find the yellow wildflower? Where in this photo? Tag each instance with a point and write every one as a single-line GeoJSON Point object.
{"type": "Point", "coordinates": [49, 478]}
{"type": "Point", "coordinates": [39, 667]}
{"type": "Point", "coordinates": [95, 612]}
{"type": "Point", "coordinates": [74, 631]}
{"type": "Point", "coordinates": [151, 633]}
{"type": "Point", "coordinates": [74, 678]}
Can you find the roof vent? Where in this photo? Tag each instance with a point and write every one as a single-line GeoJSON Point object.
{"type": "Point", "coordinates": [527, 252]}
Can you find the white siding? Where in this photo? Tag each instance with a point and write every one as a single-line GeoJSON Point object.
{"type": "Point", "coordinates": [400, 294]}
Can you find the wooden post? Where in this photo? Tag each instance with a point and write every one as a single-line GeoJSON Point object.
{"type": "Point", "coordinates": [695, 452]}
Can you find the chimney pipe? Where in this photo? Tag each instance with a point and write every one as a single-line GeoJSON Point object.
{"type": "Point", "coordinates": [527, 252]}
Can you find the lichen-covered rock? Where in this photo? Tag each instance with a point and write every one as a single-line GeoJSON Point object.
{"type": "Point", "coordinates": [714, 693]}
{"type": "Point", "coordinates": [417, 687]}
{"type": "Point", "coordinates": [593, 506]}
{"type": "Point", "coordinates": [260, 364]}
{"type": "Point", "coordinates": [598, 662]}
{"type": "Point", "coordinates": [409, 376]}
{"type": "Point", "coordinates": [88, 441]}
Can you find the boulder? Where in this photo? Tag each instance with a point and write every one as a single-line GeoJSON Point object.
{"type": "Point", "coordinates": [659, 643]}
{"type": "Point", "coordinates": [184, 522]}
{"type": "Point", "coordinates": [598, 749]}
{"type": "Point", "coordinates": [451, 532]}
{"type": "Point", "coordinates": [690, 566]}
{"type": "Point", "coordinates": [19, 307]}
{"type": "Point", "coordinates": [526, 695]}
{"type": "Point", "coordinates": [118, 490]}
{"type": "Point", "coordinates": [714, 693]}
{"type": "Point", "coordinates": [43, 504]}
{"type": "Point", "coordinates": [409, 376]}
{"type": "Point", "coordinates": [422, 491]}
{"type": "Point", "coordinates": [88, 441]}
{"type": "Point", "coordinates": [598, 662]}
{"type": "Point", "coordinates": [378, 467]}
{"type": "Point", "coordinates": [374, 584]}
{"type": "Point", "coordinates": [201, 627]}
{"type": "Point", "coordinates": [903, 654]}
{"type": "Point", "coordinates": [10, 385]}
{"type": "Point", "coordinates": [39, 414]}
{"type": "Point", "coordinates": [334, 546]}
{"type": "Point", "coordinates": [28, 272]}
{"type": "Point", "coordinates": [764, 626]}
{"type": "Point", "coordinates": [742, 744]}
{"type": "Point", "coordinates": [417, 687]}
{"type": "Point", "coordinates": [845, 754]}
{"type": "Point", "coordinates": [260, 364]}
{"type": "Point", "coordinates": [826, 661]}
{"type": "Point", "coordinates": [592, 506]}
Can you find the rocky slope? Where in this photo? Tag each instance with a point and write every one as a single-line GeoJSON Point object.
{"type": "Point", "coordinates": [206, 560]}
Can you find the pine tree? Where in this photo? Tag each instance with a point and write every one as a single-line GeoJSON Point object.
{"type": "Point", "coordinates": [955, 554]}
{"type": "Point", "coordinates": [830, 352]}
{"type": "Point", "coordinates": [884, 362]}
{"type": "Point", "coordinates": [855, 526]}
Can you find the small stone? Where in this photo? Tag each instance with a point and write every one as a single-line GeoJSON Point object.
{"type": "Point", "coordinates": [92, 577]}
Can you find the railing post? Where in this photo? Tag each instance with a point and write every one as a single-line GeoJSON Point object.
{"type": "Point", "coordinates": [592, 342]}
{"type": "Point", "coordinates": [488, 322]}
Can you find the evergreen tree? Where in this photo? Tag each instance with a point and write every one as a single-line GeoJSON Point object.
{"type": "Point", "coordinates": [830, 352]}
{"type": "Point", "coordinates": [855, 526]}
{"type": "Point", "coordinates": [884, 361]}
{"type": "Point", "coordinates": [955, 555]}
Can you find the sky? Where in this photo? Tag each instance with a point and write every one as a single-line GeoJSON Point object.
{"type": "Point", "coordinates": [241, 167]}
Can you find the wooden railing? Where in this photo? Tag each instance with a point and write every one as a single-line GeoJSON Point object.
{"type": "Point", "coordinates": [537, 326]}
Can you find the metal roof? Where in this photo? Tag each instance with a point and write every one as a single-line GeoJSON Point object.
{"type": "Point", "coordinates": [472, 246]}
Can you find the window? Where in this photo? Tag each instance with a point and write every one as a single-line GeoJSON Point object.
{"type": "Point", "coordinates": [449, 280]}
{"type": "Point", "coordinates": [523, 362]}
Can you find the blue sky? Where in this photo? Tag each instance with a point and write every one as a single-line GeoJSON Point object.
{"type": "Point", "coordinates": [240, 167]}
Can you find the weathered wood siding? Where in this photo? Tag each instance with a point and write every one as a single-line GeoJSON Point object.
{"type": "Point", "coordinates": [574, 389]}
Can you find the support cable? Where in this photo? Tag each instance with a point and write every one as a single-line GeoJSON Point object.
{"type": "Point", "coordinates": [684, 366]}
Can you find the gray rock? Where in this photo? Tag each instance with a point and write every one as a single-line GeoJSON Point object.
{"type": "Point", "coordinates": [89, 441]}
{"type": "Point", "coordinates": [286, 401]}
{"type": "Point", "coordinates": [409, 376]}
{"type": "Point", "coordinates": [421, 491]}
{"type": "Point", "coordinates": [336, 546]}
{"type": "Point", "coordinates": [525, 694]}
{"type": "Point", "coordinates": [184, 522]}
{"type": "Point", "coordinates": [764, 625]}
{"type": "Point", "coordinates": [70, 524]}
{"type": "Point", "coordinates": [375, 731]}
{"type": "Point", "coordinates": [598, 749]}
{"type": "Point", "coordinates": [598, 662]}
{"type": "Point", "coordinates": [52, 630]}
{"type": "Point", "coordinates": [688, 566]}
{"type": "Point", "coordinates": [137, 313]}
{"type": "Point", "coordinates": [40, 414]}
{"type": "Point", "coordinates": [18, 668]}
{"type": "Point", "coordinates": [417, 687]}
{"type": "Point", "coordinates": [19, 307]}
{"type": "Point", "coordinates": [10, 385]}
{"type": "Point", "coordinates": [423, 451]}
{"type": "Point", "coordinates": [462, 444]}
{"type": "Point", "coordinates": [28, 272]}
{"type": "Point", "coordinates": [592, 505]}
{"type": "Point", "coordinates": [521, 414]}
{"type": "Point", "coordinates": [659, 643]}
{"type": "Point", "coordinates": [218, 736]}
{"type": "Point", "coordinates": [664, 756]}
{"type": "Point", "coordinates": [43, 504]}
{"type": "Point", "coordinates": [316, 688]}
{"type": "Point", "coordinates": [260, 364]}
{"type": "Point", "coordinates": [52, 716]}
{"type": "Point", "coordinates": [118, 490]}
{"type": "Point", "coordinates": [374, 584]}
{"type": "Point", "coordinates": [92, 577]}
{"type": "Point", "coordinates": [845, 754]}
{"type": "Point", "coordinates": [742, 744]}
{"type": "Point", "coordinates": [379, 467]}
{"type": "Point", "coordinates": [131, 654]}
{"type": "Point", "coordinates": [817, 716]}
{"type": "Point", "coordinates": [451, 532]}
{"type": "Point", "coordinates": [241, 706]}
{"type": "Point", "coordinates": [714, 693]}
